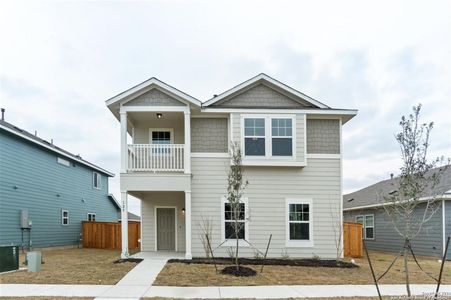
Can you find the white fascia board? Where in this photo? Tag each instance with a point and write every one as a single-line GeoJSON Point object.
{"type": "Point", "coordinates": [269, 79]}
{"type": "Point", "coordinates": [377, 205]}
{"type": "Point", "coordinates": [154, 109]}
{"type": "Point", "coordinates": [331, 111]}
{"type": "Point", "coordinates": [158, 83]}
{"type": "Point", "coordinates": [58, 151]}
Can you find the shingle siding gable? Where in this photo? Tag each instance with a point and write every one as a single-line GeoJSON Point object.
{"type": "Point", "coordinates": [260, 96]}
{"type": "Point", "coordinates": [154, 97]}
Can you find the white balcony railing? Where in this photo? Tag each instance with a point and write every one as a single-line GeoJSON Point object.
{"type": "Point", "coordinates": [154, 157]}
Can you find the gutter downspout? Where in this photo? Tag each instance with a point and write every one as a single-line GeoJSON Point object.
{"type": "Point", "coordinates": [443, 228]}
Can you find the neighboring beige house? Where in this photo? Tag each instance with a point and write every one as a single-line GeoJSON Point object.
{"type": "Point", "coordinates": [174, 158]}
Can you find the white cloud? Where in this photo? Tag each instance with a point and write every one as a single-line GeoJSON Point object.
{"type": "Point", "coordinates": [59, 61]}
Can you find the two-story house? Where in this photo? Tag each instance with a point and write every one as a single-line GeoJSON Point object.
{"type": "Point", "coordinates": [175, 159]}
{"type": "Point", "coordinates": [46, 191]}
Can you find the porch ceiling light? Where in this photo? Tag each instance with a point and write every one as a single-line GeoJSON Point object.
{"type": "Point", "coordinates": [183, 210]}
{"type": "Point", "coordinates": [159, 115]}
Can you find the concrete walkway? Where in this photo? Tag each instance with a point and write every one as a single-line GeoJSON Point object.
{"type": "Point", "coordinates": [257, 292]}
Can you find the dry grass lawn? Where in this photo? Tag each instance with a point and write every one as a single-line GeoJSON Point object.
{"type": "Point", "coordinates": [46, 298]}
{"type": "Point", "coordinates": [179, 274]}
{"type": "Point", "coordinates": [336, 298]}
{"type": "Point", "coordinates": [73, 266]}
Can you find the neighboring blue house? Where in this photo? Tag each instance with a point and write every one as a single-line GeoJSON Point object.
{"type": "Point", "coordinates": [364, 206]}
{"type": "Point", "coordinates": [56, 189]}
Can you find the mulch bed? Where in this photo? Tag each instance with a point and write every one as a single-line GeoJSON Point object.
{"type": "Point", "coordinates": [330, 263]}
{"type": "Point", "coordinates": [241, 272]}
{"type": "Point", "coordinates": [124, 260]}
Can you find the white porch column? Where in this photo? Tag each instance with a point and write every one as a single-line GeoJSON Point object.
{"type": "Point", "coordinates": [187, 158]}
{"type": "Point", "coordinates": [124, 147]}
{"type": "Point", "coordinates": [188, 254]}
{"type": "Point", "coordinates": [124, 225]}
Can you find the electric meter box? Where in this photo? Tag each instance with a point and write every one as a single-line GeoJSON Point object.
{"type": "Point", "coordinates": [24, 222]}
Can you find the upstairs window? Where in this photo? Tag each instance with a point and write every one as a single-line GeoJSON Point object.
{"type": "Point", "coordinates": [269, 136]}
{"type": "Point", "coordinates": [254, 137]}
{"type": "Point", "coordinates": [96, 180]}
{"type": "Point", "coordinates": [282, 137]}
{"type": "Point", "coordinates": [161, 137]}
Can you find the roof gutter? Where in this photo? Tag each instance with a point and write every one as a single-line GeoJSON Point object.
{"type": "Point", "coordinates": [58, 151]}
{"type": "Point", "coordinates": [378, 205]}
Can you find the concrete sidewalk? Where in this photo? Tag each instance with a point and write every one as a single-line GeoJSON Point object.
{"type": "Point", "coordinates": [257, 292]}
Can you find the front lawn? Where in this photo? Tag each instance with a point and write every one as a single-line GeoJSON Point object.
{"type": "Point", "coordinates": [73, 266]}
{"type": "Point", "coordinates": [182, 274]}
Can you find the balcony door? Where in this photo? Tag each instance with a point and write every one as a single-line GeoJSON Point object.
{"type": "Point", "coordinates": [161, 136]}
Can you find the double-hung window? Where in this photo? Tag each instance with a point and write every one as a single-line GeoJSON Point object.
{"type": "Point", "coordinates": [228, 223]}
{"type": "Point", "coordinates": [282, 137]}
{"type": "Point", "coordinates": [269, 136]}
{"type": "Point", "coordinates": [299, 222]}
{"type": "Point", "coordinates": [254, 137]}
{"type": "Point", "coordinates": [367, 222]}
{"type": "Point", "coordinates": [161, 137]}
{"type": "Point", "coordinates": [65, 217]}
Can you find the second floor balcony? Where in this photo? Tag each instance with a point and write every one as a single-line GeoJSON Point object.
{"type": "Point", "coordinates": [156, 158]}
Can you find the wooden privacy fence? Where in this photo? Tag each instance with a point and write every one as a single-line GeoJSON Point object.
{"type": "Point", "coordinates": [352, 239]}
{"type": "Point", "coordinates": [107, 235]}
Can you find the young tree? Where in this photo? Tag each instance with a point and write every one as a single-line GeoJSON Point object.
{"type": "Point", "coordinates": [415, 185]}
{"type": "Point", "coordinates": [235, 188]}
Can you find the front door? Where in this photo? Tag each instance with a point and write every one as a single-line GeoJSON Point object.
{"type": "Point", "coordinates": [166, 229]}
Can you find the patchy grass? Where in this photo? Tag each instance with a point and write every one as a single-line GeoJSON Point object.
{"type": "Point", "coordinates": [181, 274]}
{"type": "Point", "coordinates": [46, 298]}
{"type": "Point", "coordinates": [335, 298]}
{"type": "Point", "coordinates": [73, 266]}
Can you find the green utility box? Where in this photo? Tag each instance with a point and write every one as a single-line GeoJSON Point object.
{"type": "Point", "coordinates": [9, 258]}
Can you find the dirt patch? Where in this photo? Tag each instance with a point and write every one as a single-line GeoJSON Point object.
{"type": "Point", "coordinates": [240, 272]}
{"type": "Point", "coordinates": [73, 266]}
{"type": "Point", "coordinates": [200, 274]}
{"type": "Point", "coordinates": [270, 262]}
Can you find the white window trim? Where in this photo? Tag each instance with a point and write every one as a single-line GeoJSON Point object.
{"type": "Point", "coordinates": [156, 226]}
{"type": "Point", "coordinates": [63, 161]}
{"type": "Point", "coordinates": [232, 242]}
{"type": "Point", "coordinates": [364, 226]}
{"type": "Point", "coordinates": [268, 137]}
{"type": "Point", "coordinates": [90, 213]}
{"type": "Point", "coordinates": [99, 177]}
{"type": "Point", "coordinates": [62, 217]}
{"type": "Point", "coordinates": [298, 243]}
{"type": "Point", "coordinates": [151, 130]}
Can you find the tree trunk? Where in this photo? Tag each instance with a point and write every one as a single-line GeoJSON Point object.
{"type": "Point", "coordinates": [237, 244]}
{"type": "Point", "coordinates": [406, 268]}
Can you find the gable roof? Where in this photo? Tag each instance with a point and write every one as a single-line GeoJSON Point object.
{"type": "Point", "coordinates": [271, 82]}
{"type": "Point", "coordinates": [132, 217]}
{"type": "Point", "coordinates": [369, 196]}
{"type": "Point", "coordinates": [145, 86]}
{"type": "Point", "coordinates": [114, 201]}
{"type": "Point", "coordinates": [50, 146]}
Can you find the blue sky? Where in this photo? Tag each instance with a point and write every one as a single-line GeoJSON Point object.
{"type": "Point", "coordinates": [60, 60]}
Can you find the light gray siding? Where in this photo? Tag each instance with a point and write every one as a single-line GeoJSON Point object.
{"type": "Point", "coordinates": [149, 201]}
{"type": "Point", "coordinates": [428, 242]}
{"type": "Point", "coordinates": [260, 96]}
{"type": "Point", "coordinates": [267, 191]}
{"type": "Point", "coordinates": [209, 135]}
{"type": "Point", "coordinates": [142, 129]}
{"type": "Point", "coordinates": [154, 97]}
{"type": "Point", "coordinates": [323, 136]}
